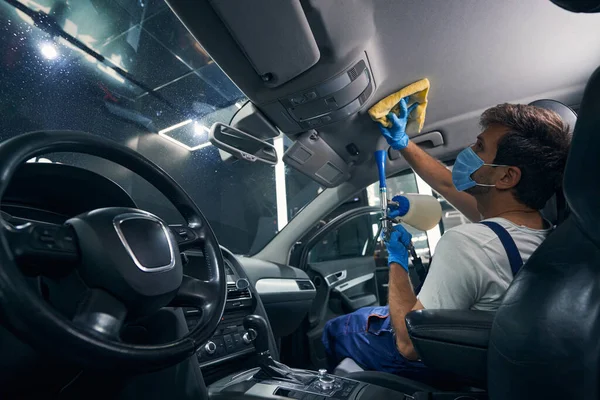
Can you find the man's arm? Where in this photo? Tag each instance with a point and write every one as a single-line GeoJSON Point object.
{"type": "Point", "coordinates": [453, 281]}
{"type": "Point", "coordinates": [402, 300]}
{"type": "Point", "coordinates": [440, 179]}
{"type": "Point", "coordinates": [427, 167]}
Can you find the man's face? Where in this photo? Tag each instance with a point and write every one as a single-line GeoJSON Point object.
{"type": "Point", "coordinates": [485, 147]}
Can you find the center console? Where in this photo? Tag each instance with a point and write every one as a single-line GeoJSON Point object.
{"type": "Point", "coordinates": [320, 386]}
{"type": "Point", "coordinates": [229, 341]}
{"type": "Point", "coordinates": [273, 380]}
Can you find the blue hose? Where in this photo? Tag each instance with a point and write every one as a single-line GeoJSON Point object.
{"type": "Point", "coordinates": [380, 156]}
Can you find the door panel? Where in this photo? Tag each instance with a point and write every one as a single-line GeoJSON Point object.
{"type": "Point", "coordinates": [343, 286]}
{"type": "Point", "coordinates": [383, 277]}
{"type": "Point", "coordinates": [348, 283]}
{"type": "Point", "coordinates": [339, 260]}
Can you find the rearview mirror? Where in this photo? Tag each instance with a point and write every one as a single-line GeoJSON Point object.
{"type": "Point", "coordinates": [241, 144]}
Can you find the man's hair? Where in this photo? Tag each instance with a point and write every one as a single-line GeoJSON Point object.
{"type": "Point", "coordinates": [537, 142]}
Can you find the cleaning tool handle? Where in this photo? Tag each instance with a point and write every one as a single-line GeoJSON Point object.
{"type": "Point", "coordinates": [380, 156]}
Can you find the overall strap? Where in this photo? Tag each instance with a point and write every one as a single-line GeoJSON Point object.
{"type": "Point", "coordinates": [514, 257]}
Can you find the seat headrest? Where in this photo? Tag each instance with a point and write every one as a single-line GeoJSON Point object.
{"type": "Point", "coordinates": [555, 209]}
{"type": "Point", "coordinates": [579, 6]}
{"type": "Point", "coordinates": [566, 113]}
{"type": "Point", "coordinates": [580, 184]}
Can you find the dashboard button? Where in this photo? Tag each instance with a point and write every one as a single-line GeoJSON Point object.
{"type": "Point", "coordinates": [237, 340]}
{"type": "Point", "coordinates": [311, 95]}
{"type": "Point", "coordinates": [296, 100]}
{"type": "Point", "coordinates": [183, 233]}
{"type": "Point", "coordinates": [210, 348]}
{"type": "Point", "coordinates": [326, 119]}
{"type": "Point", "coordinates": [67, 240]}
{"type": "Point", "coordinates": [313, 122]}
{"type": "Point", "coordinates": [326, 382]}
{"type": "Point", "coordinates": [220, 346]}
{"type": "Point", "coordinates": [230, 329]}
{"type": "Point", "coordinates": [228, 343]}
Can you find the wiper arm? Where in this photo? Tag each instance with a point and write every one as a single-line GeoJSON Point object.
{"type": "Point", "coordinates": [48, 24]}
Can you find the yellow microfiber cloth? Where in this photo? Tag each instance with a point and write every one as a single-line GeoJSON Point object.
{"type": "Point", "coordinates": [418, 94]}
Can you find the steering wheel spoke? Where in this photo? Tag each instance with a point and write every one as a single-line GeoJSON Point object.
{"type": "Point", "coordinates": [43, 248]}
{"type": "Point", "coordinates": [187, 236]}
{"type": "Point", "coordinates": [101, 312]}
{"type": "Point", "coordinates": [195, 293]}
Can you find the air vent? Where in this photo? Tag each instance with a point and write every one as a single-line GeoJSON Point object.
{"type": "Point", "coordinates": [305, 285]}
{"type": "Point", "coordinates": [233, 293]}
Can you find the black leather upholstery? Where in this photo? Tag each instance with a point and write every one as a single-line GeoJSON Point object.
{"type": "Point", "coordinates": [583, 6]}
{"type": "Point", "coordinates": [454, 342]}
{"type": "Point", "coordinates": [545, 337]}
{"type": "Point", "coordinates": [471, 328]}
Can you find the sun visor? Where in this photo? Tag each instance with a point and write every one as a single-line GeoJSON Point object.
{"type": "Point", "coordinates": [312, 156]}
{"type": "Point", "coordinates": [274, 35]}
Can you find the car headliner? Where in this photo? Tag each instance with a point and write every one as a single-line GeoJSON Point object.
{"type": "Point", "coordinates": [475, 53]}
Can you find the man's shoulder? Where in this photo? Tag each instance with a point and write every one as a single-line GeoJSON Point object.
{"type": "Point", "coordinates": [476, 233]}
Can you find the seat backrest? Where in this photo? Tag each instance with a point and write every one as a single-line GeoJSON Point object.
{"type": "Point", "coordinates": [545, 339]}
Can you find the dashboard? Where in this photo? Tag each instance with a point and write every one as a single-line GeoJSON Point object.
{"type": "Point", "coordinates": [227, 342]}
{"type": "Point", "coordinates": [280, 293]}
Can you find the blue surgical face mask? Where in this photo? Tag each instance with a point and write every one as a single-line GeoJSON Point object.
{"type": "Point", "coordinates": [466, 163]}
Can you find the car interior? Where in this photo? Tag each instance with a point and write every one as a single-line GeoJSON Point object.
{"type": "Point", "coordinates": [188, 194]}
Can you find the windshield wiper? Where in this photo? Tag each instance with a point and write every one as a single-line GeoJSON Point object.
{"type": "Point", "coordinates": [48, 24]}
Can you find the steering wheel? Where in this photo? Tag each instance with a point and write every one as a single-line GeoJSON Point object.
{"type": "Point", "coordinates": [129, 260]}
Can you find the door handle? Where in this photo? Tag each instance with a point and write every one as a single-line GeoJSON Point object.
{"type": "Point", "coordinates": [336, 277]}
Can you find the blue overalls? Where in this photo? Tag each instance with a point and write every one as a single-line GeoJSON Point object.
{"type": "Point", "coordinates": [367, 336]}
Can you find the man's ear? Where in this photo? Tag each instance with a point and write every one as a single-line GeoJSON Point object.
{"type": "Point", "coordinates": [510, 178]}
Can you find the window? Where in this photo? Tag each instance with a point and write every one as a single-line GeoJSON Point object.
{"type": "Point", "coordinates": [407, 182]}
{"type": "Point", "coordinates": [424, 242]}
{"type": "Point", "coordinates": [451, 217]}
{"type": "Point", "coordinates": [353, 238]}
{"type": "Point", "coordinates": [151, 87]}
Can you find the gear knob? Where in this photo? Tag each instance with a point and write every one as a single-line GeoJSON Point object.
{"type": "Point", "coordinates": [260, 326]}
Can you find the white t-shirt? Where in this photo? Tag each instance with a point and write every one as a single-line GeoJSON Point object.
{"type": "Point", "coordinates": [470, 268]}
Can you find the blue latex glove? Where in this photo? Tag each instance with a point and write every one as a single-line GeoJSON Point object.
{"type": "Point", "coordinates": [397, 246]}
{"type": "Point", "coordinates": [396, 135]}
{"type": "Point", "coordinates": [398, 210]}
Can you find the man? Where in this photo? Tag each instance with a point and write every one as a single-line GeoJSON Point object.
{"type": "Point", "coordinates": [504, 178]}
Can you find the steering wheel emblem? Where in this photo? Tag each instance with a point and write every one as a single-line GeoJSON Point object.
{"type": "Point", "coordinates": [147, 240]}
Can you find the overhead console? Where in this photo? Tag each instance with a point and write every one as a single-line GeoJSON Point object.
{"type": "Point", "coordinates": [308, 110]}
{"type": "Point", "coordinates": [330, 101]}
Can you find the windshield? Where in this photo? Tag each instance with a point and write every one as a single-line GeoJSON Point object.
{"type": "Point", "coordinates": [128, 70]}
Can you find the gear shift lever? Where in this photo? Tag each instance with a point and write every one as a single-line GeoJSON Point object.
{"type": "Point", "coordinates": [257, 330]}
